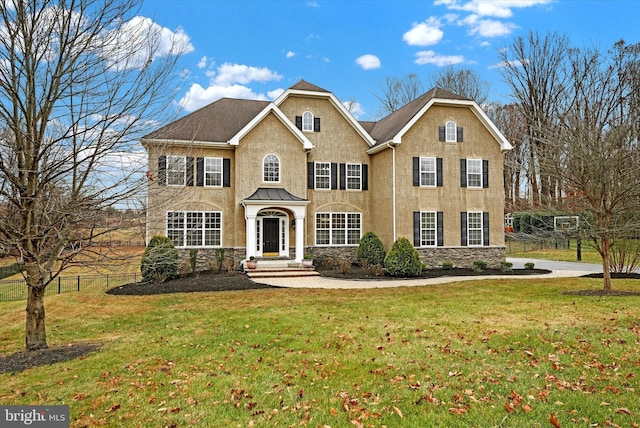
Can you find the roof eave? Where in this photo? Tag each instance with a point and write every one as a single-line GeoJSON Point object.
{"type": "Point", "coordinates": [184, 143]}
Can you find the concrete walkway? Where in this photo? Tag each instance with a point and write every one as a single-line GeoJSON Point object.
{"type": "Point", "coordinates": [558, 270]}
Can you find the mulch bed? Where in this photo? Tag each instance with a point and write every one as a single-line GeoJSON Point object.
{"type": "Point", "coordinates": [207, 281]}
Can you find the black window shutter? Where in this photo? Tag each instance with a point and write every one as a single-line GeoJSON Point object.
{"type": "Point", "coordinates": [485, 229]}
{"type": "Point", "coordinates": [311, 175]}
{"type": "Point", "coordinates": [343, 176]}
{"type": "Point", "coordinates": [316, 124]}
{"type": "Point", "coordinates": [416, 171]}
{"type": "Point", "coordinates": [365, 176]}
{"type": "Point", "coordinates": [463, 173]}
{"type": "Point", "coordinates": [439, 172]}
{"type": "Point", "coordinates": [459, 134]}
{"type": "Point", "coordinates": [226, 172]}
{"type": "Point", "coordinates": [463, 229]}
{"type": "Point", "coordinates": [439, 229]}
{"type": "Point", "coordinates": [299, 122]}
{"type": "Point", "coordinates": [485, 173]}
{"type": "Point", "coordinates": [334, 176]}
{"type": "Point", "coordinates": [416, 229]}
{"type": "Point", "coordinates": [189, 171]}
{"type": "Point", "coordinates": [200, 172]}
{"type": "Point", "coordinates": [441, 133]}
{"type": "Point", "coordinates": [162, 170]}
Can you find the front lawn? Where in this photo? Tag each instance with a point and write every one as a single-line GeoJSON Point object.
{"type": "Point", "coordinates": [511, 353]}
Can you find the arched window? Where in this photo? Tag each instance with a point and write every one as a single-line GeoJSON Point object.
{"type": "Point", "coordinates": [451, 136]}
{"type": "Point", "coordinates": [307, 121]}
{"type": "Point", "coordinates": [271, 169]}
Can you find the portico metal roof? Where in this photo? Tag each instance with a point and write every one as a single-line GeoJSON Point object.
{"type": "Point", "coordinates": [278, 194]}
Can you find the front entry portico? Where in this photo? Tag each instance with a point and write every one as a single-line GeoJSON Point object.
{"type": "Point", "coordinates": [267, 222]}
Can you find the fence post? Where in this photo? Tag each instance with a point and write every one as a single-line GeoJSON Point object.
{"type": "Point", "coordinates": [78, 282]}
{"type": "Point", "coordinates": [59, 284]}
{"type": "Point", "coordinates": [107, 280]}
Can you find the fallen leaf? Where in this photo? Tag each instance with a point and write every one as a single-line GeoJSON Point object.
{"type": "Point", "coordinates": [554, 421]}
{"type": "Point", "coordinates": [623, 411]}
{"type": "Point", "coordinates": [397, 411]}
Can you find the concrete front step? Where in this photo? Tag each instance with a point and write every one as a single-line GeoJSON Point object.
{"type": "Point", "coordinates": [280, 269]}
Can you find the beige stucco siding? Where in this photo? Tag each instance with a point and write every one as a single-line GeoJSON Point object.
{"type": "Point", "coordinates": [451, 198]}
{"type": "Point", "coordinates": [337, 142]}
{"type": "Point", "coordinates": [188, 198]}
{"type": "Point", "coordinates": [381, 208]}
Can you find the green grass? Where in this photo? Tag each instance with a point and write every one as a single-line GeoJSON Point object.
{"type": "Point", "coordinates": [484, 353]}
{"type": "Point", "coordinates": [532, 251]}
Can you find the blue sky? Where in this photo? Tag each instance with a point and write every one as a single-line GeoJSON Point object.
{"type": "Point", "coordinates": [256, 49]}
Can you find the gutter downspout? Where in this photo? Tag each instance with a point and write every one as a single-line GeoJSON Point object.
{"type": "Point", "coordinates": [393, 187]}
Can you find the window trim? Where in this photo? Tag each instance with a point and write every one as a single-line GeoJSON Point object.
{"type": "Point", "coordinates": [480, 174]}
{"type": "Point", "coordinates": [449, 131]}
{"type": "Point", "coordinates": [209, 173]}
{"type": "Point", "coordinates": [435, 172]}
{"type": "Point", "coordinates": [316, 175]}
{"type": "Point", "coordinates": [169, 171]}
{"type": "Point", "coordinates": [347, 177]}
{"type": "Point", "coordinates": [279, 172]}
{"type": "Point", "coordinates": [185, 230]}
{"type": "Point", "coordinates": [307, 125]}
{"type": "Point", "coordinates": [434, 229]}
{"type": "Point", "coordinates": [469, 228]}
{"type": "Point", "coordinates": [331, 228]}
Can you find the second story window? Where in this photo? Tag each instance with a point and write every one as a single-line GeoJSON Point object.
{"type": "Point", "coordinates": [271, 169]}
{"type": "Point", "coordinates": [451, 132]}
{"type": "Point", "coordinates": [474, 173]}
{"type": "Point", "coordinates": [176, 170]}
{"type": "Point", "coordinates": [353, 176]}
{"type": "Point", "coordinates": [307, 121]}
{"type": "Point", "coordinates": [213, 172]}
{"type": "Point", "coordinates": [322, 175]}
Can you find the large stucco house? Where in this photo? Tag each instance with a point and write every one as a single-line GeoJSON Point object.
{"type": "Point", "coordinates": [301, 175]}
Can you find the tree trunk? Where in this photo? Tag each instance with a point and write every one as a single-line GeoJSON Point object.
{"type": "Point", "coordinates": [606, 271]}
{"type": "Point", "coordinates": [36, 336]}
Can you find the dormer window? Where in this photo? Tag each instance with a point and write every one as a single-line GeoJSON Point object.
{"type": "Point", "coordinates": [307, 121]}
{"type": "Point", "coordinates": [271, 169]}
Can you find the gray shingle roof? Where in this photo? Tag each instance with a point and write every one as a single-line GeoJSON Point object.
{"type": "Point", "coordinates": [389, 126]}
{"type": "Point", "coordinates": [216, 122]}
{"type": "Point", "coordinates": [303, 85]}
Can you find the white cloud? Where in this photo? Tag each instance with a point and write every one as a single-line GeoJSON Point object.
{"type": "Point", "coordinates": [291, 54]}
{"type": "Point", "coordinates": [229, 74]}
{"type": "Point", "coordinates": [425, 33]}
{"type": "Point", "coordinates": [313, 4]}
{"type": "Point", "coordinates": [203, 62]}
{"type": "Point", "coordinates": [230, 80]}
{"type": "Point", "coordinates": [497, 9]}
{"type": "Point", "coordinates": [368, 62]}
{"type": "Point", "coordinates": [355, 108]}
{"type": "Point", "coordinates": [275, 93]}
{"type": "Point", "coordinates": [430, 57]}
{"type": "Point", "coordinates": [488, 27]}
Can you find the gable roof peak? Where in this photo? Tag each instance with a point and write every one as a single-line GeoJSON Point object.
{"type": "Point", "coordinates": [303, 85]}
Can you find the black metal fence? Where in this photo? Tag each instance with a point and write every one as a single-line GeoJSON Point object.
{"type": "Point", "coordinates": [17, 289]}
{"type": "Point", "coordinates": [516, 245]}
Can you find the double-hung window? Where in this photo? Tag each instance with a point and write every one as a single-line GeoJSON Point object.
{"type": "Point", "coordinates": [354, 175]}
{"type": "Point", "coordinates": [176, 170]}
{"type": "Point", "coordinates": [474, 173]}
{"type": "Point", "coordinates": [213, 172]}
{"type": "Point", "coordinates": [428, 172]}
{"type": "Point", "coordinates": [338, 229]}
{"type": "Point", "coordinates": [474, 229]}
{"type": "Point", "coordinates": [322, 175]}
{"type": "Point", "coordinates": [271, 169]}
{"type": "Point", "coordinates": [428, 229]}
{"type": "Point", "coordinates": [194, 228]}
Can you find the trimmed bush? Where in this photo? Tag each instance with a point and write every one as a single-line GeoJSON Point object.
{"type": "Point", "coordinates": [370, 249]}
{"type": "Point", "coordinates": [529, 265]}
{"type": "Point", "coordinates": [160, 260]}
{"type": "Point", "coordinates": [506, 266]}
{"type": "Point", "coordinates": [403, 260]}
{"type": "Point", "coordinates": [447, 265]}
{"type": "Point", "coordinates": [479, 265]}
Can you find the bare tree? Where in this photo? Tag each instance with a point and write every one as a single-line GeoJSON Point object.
{"type": "Point", "coordinates": [534, 69]}
{"type": "Point", "coordinates": [598, 146]}
{"type": "Point", "coordinates": [464, 82]}
{"type": "Point", "coordinates": [78, 80]}
{"type": "Point", "coordinates": [397, 92]}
